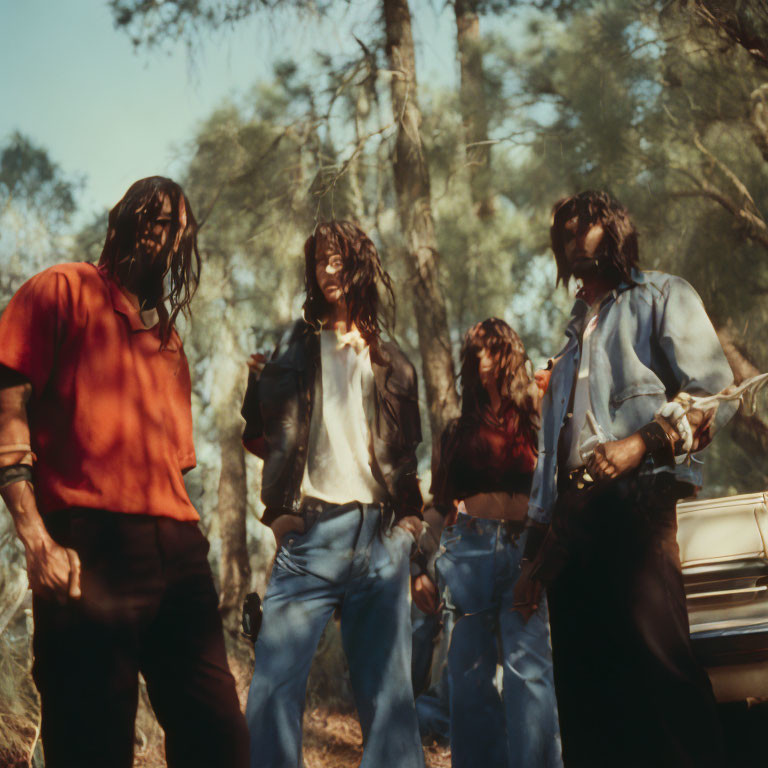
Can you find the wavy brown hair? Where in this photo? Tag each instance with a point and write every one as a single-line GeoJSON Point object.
{"type": "Point", "coordinates": [513, 379]}
{"type": "Point", "coordinates": [618, 253]}
{"type": "Point", "coordinates": [122, 254]}
{"type": "Point", "coordinates": [361, 276]}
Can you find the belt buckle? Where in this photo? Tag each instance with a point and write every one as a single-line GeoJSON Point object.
{"type": "Point", "coordinates": [310, 510]}
{"type": "Point", "coordinates": [580, 478]}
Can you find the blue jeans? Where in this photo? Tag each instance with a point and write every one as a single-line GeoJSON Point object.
{"type": "Point", "coordinates": [344, 560]}
{"type": "Point", "coordinates": [431, 636]}
{"type": "Point", "coordinates": [478, 569]}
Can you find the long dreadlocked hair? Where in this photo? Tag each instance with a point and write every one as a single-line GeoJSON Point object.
{"type": "Point", "coordinates": [511, 368]}
{"type": "Point", "coordinates": [618, 253]}
{"type": "Point", "coordinates": [130, 219]}
{"type": "Point", "coordinates": [361, 276]}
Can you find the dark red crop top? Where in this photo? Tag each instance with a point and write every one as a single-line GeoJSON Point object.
{"type": "Point", "coordinates": [483, 452]}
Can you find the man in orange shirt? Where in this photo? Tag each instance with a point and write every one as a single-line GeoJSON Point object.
{"type": "Point", "coordinates": [95, 434]}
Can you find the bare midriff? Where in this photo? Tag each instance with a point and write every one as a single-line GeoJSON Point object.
{"type": "Point", "coordinates": [498, 505]}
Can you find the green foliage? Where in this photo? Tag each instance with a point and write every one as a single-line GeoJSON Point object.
{"type": "Point", "coordinates": [150, 22]}
{"type": "Point", "coordinates": [29, 177]}
{"type": "Point", "coordinates": [37, 201]}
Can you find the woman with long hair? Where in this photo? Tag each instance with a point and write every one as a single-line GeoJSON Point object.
{"type": "Point", "coordinates": [482, 482]}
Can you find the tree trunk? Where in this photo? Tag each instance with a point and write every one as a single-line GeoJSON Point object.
{"type": "Point", "coordinates": [234, 568]}
{"type": "Point", "coordinates": [474, 110]}
{"type": "Point", "coordinates": [411, 177]}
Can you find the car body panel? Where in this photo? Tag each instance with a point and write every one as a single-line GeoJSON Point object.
{"type": "Point", "coordinates": [724, 555]}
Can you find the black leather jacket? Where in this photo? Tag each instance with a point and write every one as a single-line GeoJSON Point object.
{"type": "Point", "coordinates": [278, 407]}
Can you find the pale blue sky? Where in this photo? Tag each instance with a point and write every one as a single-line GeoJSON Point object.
{"type": "Point", "coordinates": [103, 110]}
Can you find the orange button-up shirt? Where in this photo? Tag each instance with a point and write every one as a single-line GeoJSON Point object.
{"type": "Point", "coordinates": [110, 415]}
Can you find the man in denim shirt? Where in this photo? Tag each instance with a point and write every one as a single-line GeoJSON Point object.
{"type": "Point", "coordinates": [611, 468]}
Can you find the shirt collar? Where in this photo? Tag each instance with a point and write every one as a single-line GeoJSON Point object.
{"type": "Point", "coordinates": [638, 278]}
{"type": "Point", "coordinates": [122, 305]}
{"type": "Point", "coordinates": [352, 338]}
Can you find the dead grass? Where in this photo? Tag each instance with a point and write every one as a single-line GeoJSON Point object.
{"type": "Point", "coordinates": [334, 740]}
{"type": "Point", "coordinates": [331, 740]}
{"type": "Point", "coordinates": [19, 703]}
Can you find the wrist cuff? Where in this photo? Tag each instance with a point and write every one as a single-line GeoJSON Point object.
{"type": "Point", "coordinates": [15, 473]}
{"type": "Point", "coordinates": [657, 444]}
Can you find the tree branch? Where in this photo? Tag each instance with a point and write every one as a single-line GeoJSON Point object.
{"type": "Point", "coordinates": [751, 431]}
{"type": "Point", "coordinates": [754, 227]}
{"type": "Point", "coordinates": [725, 170]}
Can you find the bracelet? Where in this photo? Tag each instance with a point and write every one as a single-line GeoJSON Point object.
{"type": "Point", "coordinates": [15, 473]}
{"type": "Point", "coordinates": [657, 444]}
{"type": "Point", "coordinates": [16, 448]}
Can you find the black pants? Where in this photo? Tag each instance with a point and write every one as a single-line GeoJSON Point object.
{"type": "Point", "coordinates": [149, 605]}
{"type": "Point", "coordinates": [630, 692]}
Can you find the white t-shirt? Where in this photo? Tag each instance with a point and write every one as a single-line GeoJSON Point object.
{"type": "Point", "coordinates": [338, 468]}
{"type": "Point", "coordinates": [578, 428]}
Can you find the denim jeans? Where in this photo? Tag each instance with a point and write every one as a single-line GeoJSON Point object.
{"type": "Point", "coordinates": [343, 560]}
{"type": "Point", "coordinates": [431, 636]}
{"type": "Point", "coordinates": [519, 729]}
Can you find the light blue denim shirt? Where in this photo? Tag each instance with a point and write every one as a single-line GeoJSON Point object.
{"type": "Point", "coordinates": [653, 339]}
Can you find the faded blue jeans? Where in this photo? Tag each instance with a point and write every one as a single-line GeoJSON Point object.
{"type": "Point", "coordinates": [519, 729]}
{"type": "Point", "coordinates": [343, 560]}
{"type": "Point", "coordinates": [432, 708]}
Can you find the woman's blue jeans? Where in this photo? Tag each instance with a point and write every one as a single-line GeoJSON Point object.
{"type": "Point", "coordinates": [519, 728]}
{"type": "Point", "coordinates": [344, 560]}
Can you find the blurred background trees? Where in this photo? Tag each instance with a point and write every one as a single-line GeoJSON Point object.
{"type": "Point", "coordinates": [663, 102]}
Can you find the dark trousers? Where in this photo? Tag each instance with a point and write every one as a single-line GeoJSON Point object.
{"type": "Point", "coordinates": [630, 692]}
{"type": "Point", "coordinates": [149, 605]}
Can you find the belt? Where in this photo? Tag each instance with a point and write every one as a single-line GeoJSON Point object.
{"type": "Point", "coordinates": [312, 508]}
{"type": "Point", "coordinates": [577, 479]}
{"type": "Point", "coordinates": [513, 527]}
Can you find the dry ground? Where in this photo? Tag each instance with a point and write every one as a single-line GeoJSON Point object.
{"type": "Point", "coordinates": [334, 741]}
{"type": "Point", "coordinates": [331, 740]}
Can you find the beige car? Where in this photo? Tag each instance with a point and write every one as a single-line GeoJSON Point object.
{"type": "Point", "coordinates": [724, 553]}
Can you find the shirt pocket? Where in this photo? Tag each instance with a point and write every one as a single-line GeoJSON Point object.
{"type": "Point", "coordinates": [635, 406]}
{"type": "Point", "coordinates": [642, 389]}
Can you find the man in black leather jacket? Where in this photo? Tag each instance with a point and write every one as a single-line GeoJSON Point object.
{"type": "Point", "coordinates": [335, 416]}
{"type": "Point", "coordinates": [285, 391]}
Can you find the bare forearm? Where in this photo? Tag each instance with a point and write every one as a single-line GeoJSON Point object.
{"type": "Point", "coordinates": [15, 451]}
{"type": "Point", "coordinates": [19, 498]}
{"type": "Point", "coordinates": [52, 569]}
{"type": "Point", "coordinates": [14, 428]}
